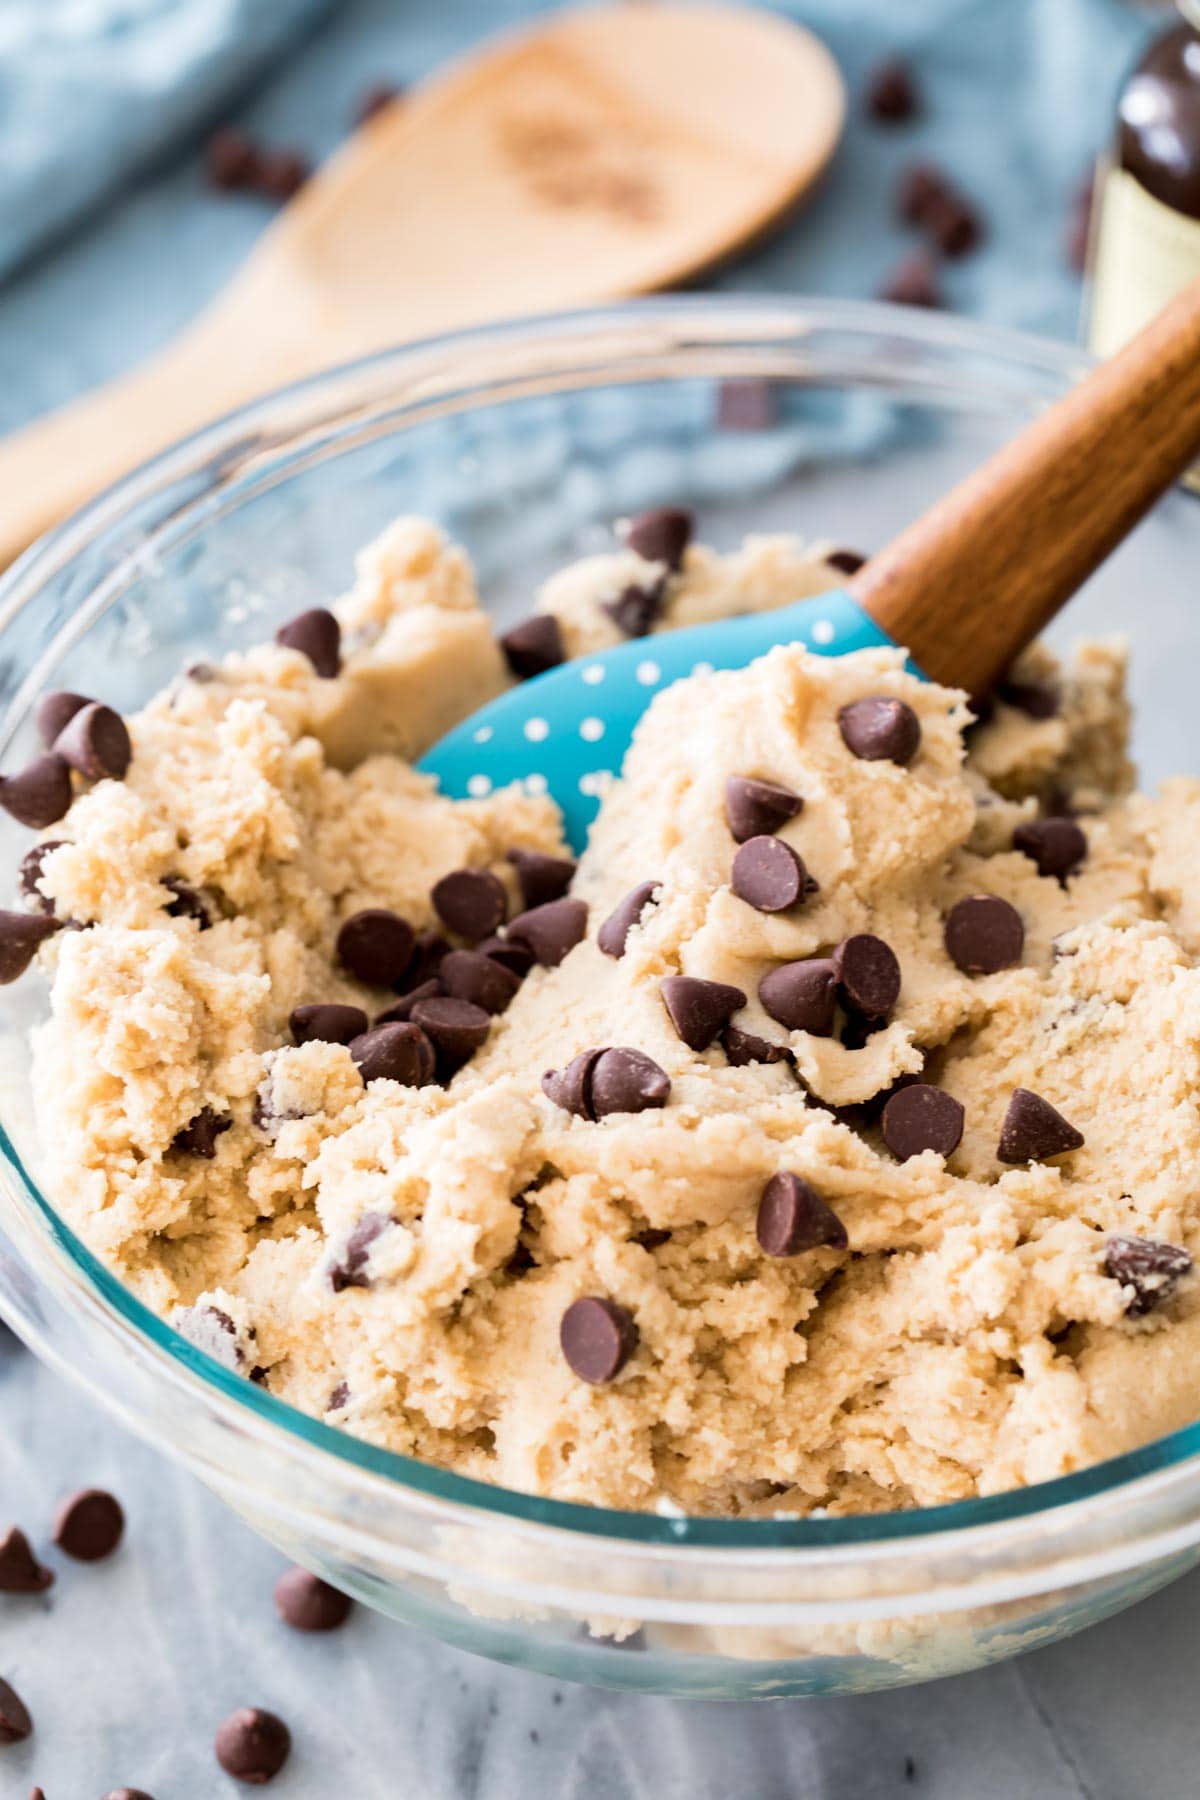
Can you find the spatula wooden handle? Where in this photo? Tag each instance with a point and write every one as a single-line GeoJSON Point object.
{"type": "Point", "coordinates": [974, 580]}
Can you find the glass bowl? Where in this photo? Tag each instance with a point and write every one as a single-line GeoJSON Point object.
{"type": "Point", "coordinates": [525, 441]}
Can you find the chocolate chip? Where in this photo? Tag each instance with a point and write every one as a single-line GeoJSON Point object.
{"type": "Point", "coordinates": [127, 1794]}
{"type": "Point", "coordinates": [636, 608]}
{"type": "Point", "coordinates": [469, 975]}
{"type": "Point", "coordinates": [626, 1081]}
{"type": "Point", "coordinates": [54, 711]}
{"type": "Point", "coordinates": [879, 728]}
{"type": "Point", "coordinates": [199, 1136]}
{"type": "Point", "coordinates": [1151, 1268]}
{"type": "Point", "coordinates": [20, 1570]}
{"type": "Point", "coordinates": [661, 535]}
{"type": "Point", "coordinates": [847, 562]}
{"type": "Point", "coordinates": [541, 878]}
{"type": "Point", "coordinates": [746, 405]}
{"type": "Point", "coordinates": [756, 808]}
{"type": "Point", "coordinates": [317, 635]}
{"type": "Point", "coordinates": [1033, 1130]}
{"type": "Point", "coordinates": [213, 1331]}
{"type": "Point", "coordinates": [801, 995]}
{"type": "Point", "coordinates": [29, 875]}
{"type": "Point", "coordinates": [455, 1028]}
{"type": "Point", "coordinates": [551, 931]}
{"type": "Point", "coordinates": [339, 1397]}
{"type": "Point", "coordinates": [744, 1049]}
{"type": "Point", "coordinates": [187, 903]}
{"type": "Point", "coordinates": [768, 875]}
{"type": "Point", "coordinates": [920, 187]}
{"type": "Point", "coordinates": [327, 1022]}
{"type": "Point", "coordinates": [395, 1053]}
{"type": "Point", "coordinates": [1036, 699]}
{"type": "Point", "coordinates": [375, 99]}
{"type": "Point", "coordinates": [983, 933]}
{"type": "Point", "coordinates": [471, 902]}
{"type": "Point", "coordinates": [350, 1268]}
{"type": "Point", "coordinates": [430, 952]}
{"type": "Point", "coordinates": [252, 1745]}
{"type": "Point", "coordinates": [598, 1337]}
{"type": "Point", "coordinates": [307, 1603]}
{"type": "Point", "coordinates": [20, 935]}
{"type": "Point", "coordinates": [914, 282]}
{"type": "Point", "coordinates": [402, 1010]}
{"type": "Point", "coordinates": [39, 794]}
{"type": "Point", "coordinates": [509, 953]}
{"type": "Point", "coordinates": [891, 93]}
{"type": "Point", "coordinates": [857, 1030]}
{"type": "Point", "coordinates": [231, 158]}
{"type": "Point", "coordinates": [376, 946]}
{"type": "Point", "coordinates": [920, 1117]}
{"type": "Point", "coordinates": [278, 174]}
{"type": "Point", "coordinates": [614, 933]}
{"type": "Point", "coordinates": [15, 1722]}
{"type": "Point", "coordinates": [1057, 846]}
{"type": "Point", "coordinates": [96, 742]}
{"type": "Point", "coordinates": [868, 974]}
{"type": "Point", "coordinates": [89, 1525]}
{"type": "Point", "coordinates": [953, 223]}
{"type": "Point", "coordinates": [792, 1217]}
{"type": "Point", "coordinates": [571, 1088]}
{"type": "Point", "coordinates": [699, 1010]}
{"type": "Point", "coordinates": [534, 646]}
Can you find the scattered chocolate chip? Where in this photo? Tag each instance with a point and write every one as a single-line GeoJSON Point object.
{"type": "Point", "coordinates": [1151, 1268]}
{"type": "Point", "coordinates": [317, 635]}
{"type": "Point", "coordinates": [534, 646]}
{"type": "Point", "coordinates": [29, 875]}
{"type": "Point", "coordinates": [96, 742]}
{"type": "Point", "coordinates": [213, 1331]}
{"type": "Point", "coordinates": [920, 1117]}
{"type": "Point", "coordinates": [914, 282]}
{"type": "Point", "coordinates": [662, 535]}
{"type": "Point", "coordinates": [39, 794]}
{"type": "Point", "coordinates": [868, 974]}
{"type": "Point", "coordinates": [402, 1010]}
{"type": "Point", "coordinates": [339, 1397]}
{"type": "Point", "coordinates": [1033, 1130]}
{"type": "Point", "coordinates": [920, 187]}
{"type": "Point", "coordinates": [307, 1603]}
{"type": "Point", "coordinates": [279, 174]}
{"type": "Point", "coordinates": [891, 93]}
{"type": "Point", "coordinates": [231, 159]}
{"type": "Point", "coordinates": [327, 1022]}
{"type": "Point", "coordinates": [54, 711]}
{"type": "Point", "coordinates": [571, 1088]}
{"type": "Point", "coordinates": [470, 902]}
{"type": "Point", "coordinates": [1036, 699]}
{"type": "Point", "coordinates": [983, 933]}
{"type": "Point", "coordinates": [1057, 846]}
{"type": "Point", "coordinates": [953, 223]}
{"type": "Point", "coordinates": [350, 1268]}
{"type": "Point", "coordinates": [614, 933]}
{"type": "Point", "coordinates": [20, 1570]}
{"type": "Point", "coordinates": [20, 936]}
{"type": "Point", "coordinates": [801, 995]}
{"type": "Point", "coordinates": [744, 1049]}
{"type": "Point", "coordinates": [636, 608]}
{"type": "Point", "coordinates": [847, 562]}
{"type": "Point", "coordinates": [89, 1525]}
{"type": "Point", "coordinates": [455, 1028]}
{"type": "Point", "coordinates": [469, 975]}
{"type": "Point", "coordinates": [626, 1081]}
{"type": "Point", "coordinates": [541, 878]}
{"type": "Point", "coordinates": [792, 1217]}
{"type": "Point", "coordinates": [699, 1010]}
{"type": "Point", "coordinates": [982, 709]}
{"type": "Point", "coordinates": [395, 1053]}
{"type": "Point", "coordinates": [374, 99]}
{"type": "Point", "coordinates": [879, 728]}
{"type": "Point", "coordinates": [768, 875]}
{"type": "Point", "coordinates": [598, 1337]}
{"type": "Point", "coordinates": [518, 958]}
{"type": "Point", "coordinates": [551, 931]}
{"type": "Point", "coordinates": [430, 952]}
{"type": "Point", "coordinates": [187, 903]}
{"type": "Point", "coordinates": [746, 405]}
{"type": "Point", "coordinates": [376, 946]}
{"type": "Point", "coordinates": [252, 1745]}
{"type": "Point", "coordinates": [756, 808]}
{"type": "Point", "coordinates": [199, 1136]}
{"type": "Point", "coordinates": [15, 1722]}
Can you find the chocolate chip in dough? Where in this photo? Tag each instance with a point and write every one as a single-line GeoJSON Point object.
{"type": "Point", "coordinates": [429, 953]}
{"type": "Point", "coordinates": [339, 1397]}
{"type": "Point", "coordinates": [699, 1010]}
{"type": "Point", "coordinates": [627, 1081]}
{"type": "Point", "coordinates": [921, 1117]}
{"type": "Point", "coordinates": [402, 1010]}
{"type": "Point", "coordinates": [636, 608]}
{"type": "Point", "coordinates": [15, 1722]}
{"type": "Point", "coordinates": [1057, 846]}
{"type": "Point", "coordinates": [54, 711]}
{"type": "Point", "coordinates": [801, 995]}
{"type": "Point", "coordinates": [891, 93]}
{"type": "Point", "coordinates": [212, 1330]}
{"type": "Point", "coordinates": [846, 562]}
{"type": "Point", "coordinates": [1151, 1268]}
{"type": "Point", "coordinates": [470, 902]}
{"type": "Point", "coordinates": [744, 1048]}
{"type": "Point", "coordinates": [1036, 699]}
{"type": "Point", "coordinates": [756, 808]}
{"type": "Point", "coordinates": [880, 728]}
{"type": "Point", "coordinates": [469, 975]}
{"type": "Point", "coordinates": [541, 878]}
{"type": "Point", "coordinates": [89, 1525]}
{"type": "Point", "coordinates": [327, 1022]}
{"type": "Point", "coordinates": [39, 794]}
{"type": "Point", "coordinates": [29, 875]}
{"type": "Point", "coordinates": [187, 903]}
{"type": "Point", "coordinates": [307, 1603]}
{"type": "Point", "coordinates": [571, 1087]}
{"type": "Point", "coordinates": [792, 1217]}
{"type": "Point", "coordinates": [349, 1269]}
{"type": "Point", "coordinates": [983, 934]}
{"type": "Point", "coordinates": [199, 1136]}
{"type": "Point", "coordinates": [551, 931]}
{"type": "Point", "coordinates": [252, 1745]}
{"type": "Point", "coordinates": [455, 1028]}
{"type": "Point", "coordinates": [598, 1337]}
{"type": "Point", "coordinates": [20, 936]}
{"type": "Point", "coordinates": [395, 1053]}
{"type": "Point", "coordinates": [1034, 1130]}
{"type": "Point", "coordinates": [510, 953]}
{"type": "Point", "coordinates": [317, 635]}
{"type": "Point", "coordinates": [96, 743]}
{"type": "Point", "coordinates": [20, 1570]}
{"type": "Point", "coordinates": [914, 282]}
{"type": "Point", "coordinates": [662, 535]}
{"type": "Point", "coordinates": [768, 875]}
{"type": "Point", "coordinates": [614, 933]}
{"type": "Point", "coordinates": [534, 646]}
{"type": "Point", "coordinates": [868, 974]}
{"type": "Point", "coordinates": [376, 946]}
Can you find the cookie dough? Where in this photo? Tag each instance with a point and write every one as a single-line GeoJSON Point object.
{"type": "Point", "coordinates": [768, 1167]}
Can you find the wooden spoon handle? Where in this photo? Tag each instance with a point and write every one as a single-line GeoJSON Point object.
{"type": "Point", "coordinates": [974, 580]}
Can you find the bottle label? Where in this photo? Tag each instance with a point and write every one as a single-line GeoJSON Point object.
{"type": "Point", "coordinates": [1145, 253]}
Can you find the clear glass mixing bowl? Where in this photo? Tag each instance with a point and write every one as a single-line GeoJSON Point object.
{"type": "Point", "coordinates": [525, 441]}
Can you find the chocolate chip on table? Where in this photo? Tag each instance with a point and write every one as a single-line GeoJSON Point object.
{"type": "Point", "coordinates": [534, 646]}
{"type": "Point", "coordinates": [327, 1022]}
{"type": "Point", "coordinates": [278, 174]}
{"type": "Point", "coordinates": [952, 222]}
{"type": "Point", "coordinates": [29, 875]}
{"type": "Point", "coordinates": [914, 282]}
{"type": "Point", "coordinates": [551, 931]}
{"type": "Point", "coordinates": [1151, 1268]}
{"type": "Point", "coordinates": [1034, 1130]}
{"type": "Point", "coordinates": [540, 877]}
{"type": "Point", "coordinates": [15, 1722]}
{"type": "Point", "coordinates": [212, 1330]}
{"type": "Point", "coordinates": [95, 741]}
{"type": "Point", "coordinates": [470, 975]}
{"type": "Point", "coordinates": [187, 903]}
{"type": "Point", "coordinates": [756, 808]}
{"type": "Point", "coordinates": [89, 1525]}
{"type": "Point", "coordinates": [983, 933]}
{"type": "Point", "coordinates": [744, 1049]}
{"type": "Point", "coordinates": [847, 562]}
{"type": "Point", "coordinates": [307, 1603]}
{"type": "Point", "coordinates": [661, 535]}
{"type": "Point", "coordinates": [376, 945]}
{"type": "Point", "coordinates": [374, 99]}
{"type": "Point", "coordinates": [699, 1010]}
{"type": "Point", "coordinates": [891, 93]}
{"type": "Point", "coordinates": [252, 1745]}
{"type": "Point", "coordinates": [801, 995]}
{"type": "Point", "coordinates": [1036, 699]}
{"type": "Point", "coordinates": [317, 635]}
{"type": "Point", "coordinates": [20, 1570]}
{"type": "Point", "coordinates": [399, 1052]}
{"type": "Point", "coordinates": [571, 1087]}
{"type": "Point", "coordinates": [1057, 846]}
{"type": "Point", "coordinates": [56, 710]}
{"type": "Point", "coordinates": [768, 875]}
{"type": "Point", "coordinates": [614, 933]}
{"type": "Point", "coordinates": [920, 187]}
{"type": "Point", "coordinates": [868, 974]}
{"type": "Point", "coordinates": [920, 1117]}
{"type": "Point", "coordinates": [636, 608]}
{"type": "Point", "coordinates": [627, 1081]}
{"type": "Point", "coordinates": [510, 953]}
{"type": "Point", "coordinates": [350, 1268]}
{"type": "Point", "coordinates": [402, 1010]}
{"type": "Point", "coordinates": [231, 158]}
{"type": "Point", "coordinates": [199, 1136]}
{"type": "Point", "coordinates": [455, 1028]}
{"type": "Point", "coordinates": [880, 728]}
{"type": "Point", "coordinates": [470, 902]}
{"type": "Point", "coordinates": [39, 794]}
{"type": "Point", "coordinates": [598, 1337]}
{"type": "Point", "coordinates": [792, 1217]}
{"type": "Point", "coordinates": [21, 934]}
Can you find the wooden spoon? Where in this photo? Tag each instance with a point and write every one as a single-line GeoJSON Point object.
{"type": "Point", "coordinates": [606, 153]}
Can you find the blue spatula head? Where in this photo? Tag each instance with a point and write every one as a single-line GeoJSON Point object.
{"type": "Point", "coordinates": [566, 732]}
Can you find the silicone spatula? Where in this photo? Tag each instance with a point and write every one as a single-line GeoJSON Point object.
{"type": "Point", "coordinates": [964, 589]}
